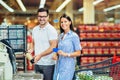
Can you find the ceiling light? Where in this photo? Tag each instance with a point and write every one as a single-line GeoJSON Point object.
{"type": "Point", "coordinates": [81, 9]}
{"type": "Point", "coordinates": [111, 8]}
{"type": "Point", "coordinates": [62, 5]}
{"type": "Point", "coordinates": [6, 6]}
{"type": "Point", "coordinates": [42, 3]}
{"type": "Point", "coordinates": [94, 3]}
{"type": "Point", "coordinates": [21, 5]}
{"type": "Point", "coordinates": [97, 2]}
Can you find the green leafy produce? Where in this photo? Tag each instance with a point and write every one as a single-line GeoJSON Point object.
{"type": "Point", "coordinates": [84, 76]}
{"type": "Point", "coordinates": [103, 78]}
{"type": "Point", "coordinates": [88, 75]}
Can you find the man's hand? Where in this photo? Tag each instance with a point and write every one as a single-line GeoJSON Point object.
{"type": "Point", "coordinates": [37, 58]}
{"type": "Point", "coordinates": [55, 56]}
{"type": "Point", "coordinates": [30, 50]}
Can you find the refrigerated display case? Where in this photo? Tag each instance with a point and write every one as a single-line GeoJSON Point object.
{"type": "Point", "coordinates": [15, 36]}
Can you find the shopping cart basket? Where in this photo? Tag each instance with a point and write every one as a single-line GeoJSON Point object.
{"type": "Point", "coordinates": [104, 70]}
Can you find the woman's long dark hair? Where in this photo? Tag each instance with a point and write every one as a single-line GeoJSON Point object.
{"type": "Point", "coordinates": [68, 18]}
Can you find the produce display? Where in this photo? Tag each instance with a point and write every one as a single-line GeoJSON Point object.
{"type": "Point", "coordinates": [88, 75]}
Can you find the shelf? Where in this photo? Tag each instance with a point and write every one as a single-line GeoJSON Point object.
{"type": "Point", "coordinates": [98, 55]}
{"type": "Point", "coordinates": [101, 47]}
{"type": "Point", "coordinates": [100, 39]}
{"type": "Point", "coordinates": [99, 42]}
{"type": "Point", "coordinates": [100, 31]}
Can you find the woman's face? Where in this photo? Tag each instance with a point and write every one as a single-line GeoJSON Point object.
{"type": "Point", "coordinates": [65, 24]}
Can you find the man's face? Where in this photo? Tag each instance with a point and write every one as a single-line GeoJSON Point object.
{"type": "Point", "coordinates": [43, 18]}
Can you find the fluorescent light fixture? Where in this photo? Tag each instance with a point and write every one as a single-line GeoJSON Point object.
{"type": "Point", "coordinates": [6, 6]}
{"type": "Point", "coordinates": [21, 5]}
{"type": "Point", "coordinates": [97, 2]}
{"type": "Point", "coordinates": [111, 8]}
{"type": "Point", "coordinates": [62, 5]}
{"type": "Point", "coordinates": [94, 3]}
{"type": "Point", "coordinates": [42, 3]}
{"type": "Point", "coordinates": [81, 9]}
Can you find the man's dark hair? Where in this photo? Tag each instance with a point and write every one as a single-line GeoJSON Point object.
{"type": "Point", "coordinates": [43, 10]}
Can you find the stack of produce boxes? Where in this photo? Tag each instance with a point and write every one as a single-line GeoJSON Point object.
{"type": "Point", "coordinates": [99, 42]}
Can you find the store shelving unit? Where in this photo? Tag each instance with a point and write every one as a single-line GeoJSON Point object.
{"type": "Point", "coordinates": [15, 35]}
{"type": "Point", "coordinates": [99, 42]}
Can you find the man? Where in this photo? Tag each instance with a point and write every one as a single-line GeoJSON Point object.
{"type": "Point", "coordinates": [44, 40]}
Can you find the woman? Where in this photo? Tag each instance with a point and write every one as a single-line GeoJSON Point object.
{"type": "Point", "coordinates": [69, 48]}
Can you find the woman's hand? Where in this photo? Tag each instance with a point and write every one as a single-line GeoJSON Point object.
{"type": "Point", "coordinates": [60, 52]}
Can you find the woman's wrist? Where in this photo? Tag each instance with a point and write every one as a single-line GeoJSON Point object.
{"type": "Point", "coordinates": [68, 55]}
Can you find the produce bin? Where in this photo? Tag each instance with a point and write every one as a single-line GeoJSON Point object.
{"type": "Point", "coordinates": [104, 70]}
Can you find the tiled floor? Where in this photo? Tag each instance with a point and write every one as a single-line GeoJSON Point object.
{"type": "Point", "coordinates": [30, 75]}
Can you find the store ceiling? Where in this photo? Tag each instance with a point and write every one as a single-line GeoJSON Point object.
{"type": "Point", "coordinates": [33, 5]}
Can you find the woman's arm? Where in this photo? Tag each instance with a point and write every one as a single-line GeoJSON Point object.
{"type": "Point", "coordinates": [73, 54]}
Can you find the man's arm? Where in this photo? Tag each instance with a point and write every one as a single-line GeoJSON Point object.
{"type": "Point", "coordinates": [53, 44]}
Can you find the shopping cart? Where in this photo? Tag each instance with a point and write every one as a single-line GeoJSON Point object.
{"type": "Point", "coordinates": [108, 69]}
